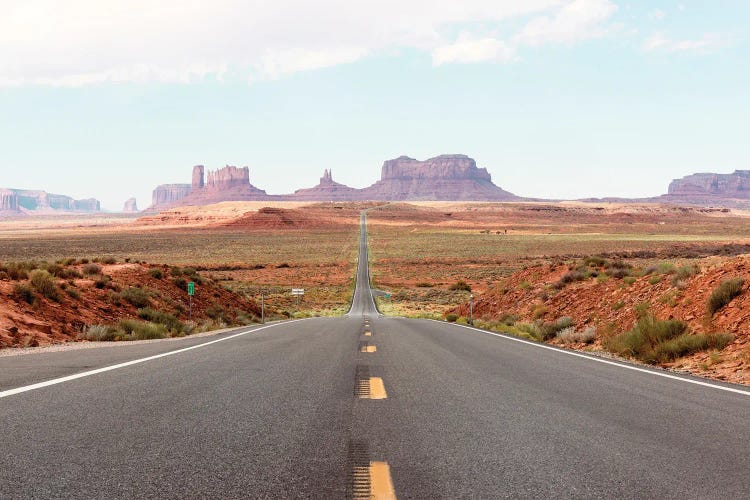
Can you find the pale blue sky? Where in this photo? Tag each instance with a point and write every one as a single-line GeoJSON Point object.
{"type": "Point", "coordinates": [556, 98]}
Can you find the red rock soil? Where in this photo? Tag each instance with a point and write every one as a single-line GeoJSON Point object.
{"type": "Point", "coordinates": [610, 307]}
{"type": "Point", "coordinates": [48, 322]}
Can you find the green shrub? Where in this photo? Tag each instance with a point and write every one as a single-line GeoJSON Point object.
{"type": "Point", "coordinates": [43, 282]}
{"type": "Point", "coordinates": [570, 277]}
{"type": "Point", "coordinates": [451, 317]}
{"type": "Point", "coordinates": [688, 344]}
{"type": "Point", "coordinates": [108, 260]}
{"type": "Point", "coordinates": [73, 293]}
{"type": "Point", "coordinates": [92, 269]}
{"type": "Point", "coordinates": [460, 286]}
{"type": "Point", "coordinates": [141, 330]}
{"type": "Point", "coordinates": [169, 321]}
{"type": "Point", "coordinates": [595, 261]}
{"type": "Point", "coordinates": [424, 285]}
{"type": "Point", "coordinates": [68, 273]}
{"type": "Point", "coordinates": [216, 311]}
{"type": "Point", "coordinates": [99, 333]}
{"type": "Point", "coordinates": [180, 283]}
{"type": "Point", "coordinates": [548, 331]}
{"type": "Point", "coordinates": [24, 293]}
{"type": "Point", "coordinates": [653, 280]}
{"type": "Point", "coordinates": [156, 273]}
{"type": "Point", "coordinates": [102, 282]}
{"type": "Point", "coordinates": [570, 335]}
{"type": "Point", "coordinates": [628, 280]}
{"type": "Point", "coordinates": [644, 341]}
{"type": "Point", "coordinates": [683, 274]}
{"type": "Point", "coordinates": [726, 292]}
{"type": "Point", "coordinates": [136, 296]}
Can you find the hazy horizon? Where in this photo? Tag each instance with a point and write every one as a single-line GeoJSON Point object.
{"type": "Point", "coordinates": [560, 99]}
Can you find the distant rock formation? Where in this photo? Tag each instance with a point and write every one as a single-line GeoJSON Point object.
{"type": "Point", "coordinates": [734, 186]}
{"type": "Point", "coordinates": [328, 190]}
{"type": "Point", "coordinates": [8, 201]}
{"type": "Point", "coordinates": [167, 195]}
{"type": "Point", "coordinates": [25, 200]}
{"type": "Point", "coordinates": [225, 184]}
{"type": "Point", "coordinates": [445, 177]}
{"type": "Point", "coordinates": [131, 206]}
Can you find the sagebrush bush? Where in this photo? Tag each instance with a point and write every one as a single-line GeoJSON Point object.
{"type": "Point", "coordinates": [460, 286]}
{"type": "Point", "coordinates": [43, 282]}
{"type": "Point", "coordinates": [451, 317]}
{"type": "Point", "coordinates": [108, 260]}
{"type": "Point", "coordinates": [23, 292]}
{"type": "Point", "coordinates": [726, 292]}
{"type": "Point", "coordinates": [653, 341]}
{"type": "Point", "coordinates": [547, 331]}
{"type": "Point", "coordinates": [570, 335]}
{"type": "Point", "coordinates": [92, 269]}
{"type": "Point", "coordinates": [136, 296]}
{"type": "Point", "coordinates": [102, 282]}
{"type": "Point", "coordinates": [169, 321]}
{"type": "Point", "coordinates": [156, 273]}
{"type": "Point", "coordinates": [683, 274]}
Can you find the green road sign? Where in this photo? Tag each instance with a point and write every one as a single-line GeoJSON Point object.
{"type": "Point", "coordinates": [191, 288]}
{"type": "Point", "coordinates": [387, 295]}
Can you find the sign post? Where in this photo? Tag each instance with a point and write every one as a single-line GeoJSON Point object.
{"type": "Point", "coordinates": [298, 292]}
{"type": "Point", "coordinates": [263, 307]}
{"type": "Point", "coordinates": [191, 292]}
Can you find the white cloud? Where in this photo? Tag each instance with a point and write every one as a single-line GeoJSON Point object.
{"type": "Point", "coordinates": [576, 21]}
{"type": "Point", "coordinates": [709, 42]}
{"type": "Point", "coordinates": [79, 42]}
{"type": "Point", "coordinates": [472, 50]}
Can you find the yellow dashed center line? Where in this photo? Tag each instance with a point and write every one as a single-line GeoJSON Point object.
{"type": "Point", "coordinates": [368, 334]}
{"type": "Point", "coordinates": [377, 388]}
{"type": "Point", "coordinates": [381, 485]}
{"type": "Point", "coordinates": [368, 348]}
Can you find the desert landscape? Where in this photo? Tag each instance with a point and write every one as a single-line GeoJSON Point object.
{"type": "Point", "coordinates": [573, 274]}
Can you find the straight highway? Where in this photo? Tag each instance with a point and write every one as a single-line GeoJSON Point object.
{"type": "Point", "coordinates": [363, 406]}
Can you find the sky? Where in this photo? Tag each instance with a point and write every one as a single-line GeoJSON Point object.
{"type": "Point", "coordinates": [556, 98]}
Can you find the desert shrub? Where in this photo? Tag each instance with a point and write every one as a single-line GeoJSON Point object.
{"type": "Point", "coordinates": [653, 280]}
{"type": "Point", "coordinates": [451, 317]}
{"type": "Point", "coordinates": [570, 277]}
{"type": "Point", "coordinates": [136, 296]}
{"type": "Point", "coordinates": [570, 335]}
{"type": "Point", "coordinates": [69, 273]}
{"type": "Point", "coordinates": [22, 292]}
{"type": "Point", "coordinates": [547, 331]}
{"type": "Point", "coordinates": [683, 274]}
{"type": "Point", "coordinates": [92, 269]}
{"type": "Point", "coordinates": [283, 265]}
{"type": "Point", "coordinates": [460, 286]}
{"type": "Point", "coordinates": [660, 268]}
{"type": "Point", "coordinates": [99, 333]}
{"type": "Point", "coordinates": [108, 260]}
{"type": "Point", "coordinates": [723, 294]}
{"type": "Point", "coordinates": [687, 344]}
{"type": "Point", "coordinates": [140, 330]}
{"type": "Point", "coordinates": [643, 341]}
{"type": "Point", "coordinates": [180, 283]}
{"type": "Point", "coordinates": [73, 293]}
{"type": "Point", "coordinates": [156, 273]}
{"type": "Point", "coordinates": [43, 282]}
{"type": "Point", "coordinates": [70, 261]}
{"type": "Point", "coordinates": [216, 311]}
{"type": "Point", "coordinates": [424, 284]}
{"type": "Point", "coordinates": [17, 271]}
{"type": "Point", "coordinates": [169, 321]}
{"type": "Point", "coordinates": [595, 261]}
{"type": "Point", "coordinates": [53, 269]}
{"type": "Point", "coordinates": [538, 311]}
{"type": "Point", "coordinates": [102, 282]}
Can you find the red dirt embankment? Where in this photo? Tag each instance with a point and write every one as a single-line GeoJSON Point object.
{"type": "Point", "coordinates": [82, 304]}
{"type": "Point", "coordinates": [611, 305]}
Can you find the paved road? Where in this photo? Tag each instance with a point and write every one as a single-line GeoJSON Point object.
{"type": "Point", "coordinates": [271, 412]}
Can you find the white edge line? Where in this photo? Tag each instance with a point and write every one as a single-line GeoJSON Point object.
{"type": "Point", "coordinates": [55, 381]}
{"type": "Point", "coordinates": [599, 360]}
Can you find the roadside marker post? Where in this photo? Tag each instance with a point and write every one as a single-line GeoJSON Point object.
{"type": "Point", "coordinates": [298, 292]}
{"type": "Point", "coordinates": [191, 292]}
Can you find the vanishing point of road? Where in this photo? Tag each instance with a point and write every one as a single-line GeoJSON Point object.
{"type": "Point", "coordinates": [363, 406]}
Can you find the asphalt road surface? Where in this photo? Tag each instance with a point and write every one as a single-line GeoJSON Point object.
{"type": "Point", "coordinates": [315, 408]}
